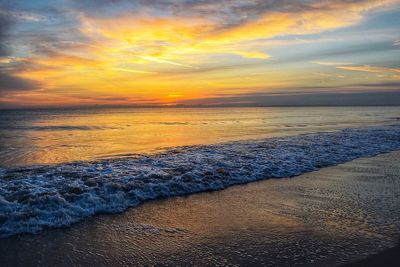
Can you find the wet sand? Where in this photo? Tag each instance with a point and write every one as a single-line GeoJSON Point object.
{"type": "Point", "coordinates": [388, 258]}
{"type": "Point", "coordinates": [329, 217]}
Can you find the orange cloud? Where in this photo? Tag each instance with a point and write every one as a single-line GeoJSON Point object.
{"type": "Point", "coordinates": [326, 16]}
{"type": "Point", "coordinates": [367, 68]}
{"type": "Point", "coordinates": [172, 40]}
{"type": "Point", "coordinates": [149, 57]}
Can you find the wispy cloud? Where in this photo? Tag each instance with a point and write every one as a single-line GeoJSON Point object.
{"type": "Point", "coordinates": [328, 63]}
{"type": "Point", "coordinates": [165, 61]}
{"type": "Point", "coordinates": [368, 68]}
{"type": "Point", "coordinates": [133, 71]}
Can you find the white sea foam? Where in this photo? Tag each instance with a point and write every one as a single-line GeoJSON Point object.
{"type": "Point", "coordinates": [39, 197]}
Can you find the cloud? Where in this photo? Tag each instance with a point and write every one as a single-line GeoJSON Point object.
{"type": "Point", "coordinates": [385, 85]}
{"type": "Point", "coordinates": [311, 98]}
{"type": "Point", "coordinates": [13, 84]}
{"type": "Point", "coordinates": [218, 27]}
{"type": "Point", "coordinates": [327, 63]}
{"type": "Point", "coordinates": [161, 60]}
{"type": "Point", "coordinates": [189, 46]}
{"type": "Point", "coordinates": [5, 24]}
{"type": "Point", "coordinates": [133, 71]}
{"type": "Point", "coordinates": [225, 13]}
{"type": "Point", "coordinates": [368, 68]}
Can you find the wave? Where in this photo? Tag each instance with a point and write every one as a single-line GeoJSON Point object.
{"type": "Point", "coordinates": [39, 197]}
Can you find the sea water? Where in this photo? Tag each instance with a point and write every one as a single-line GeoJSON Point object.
{"type": "Point", "coordinates": [60, 166]}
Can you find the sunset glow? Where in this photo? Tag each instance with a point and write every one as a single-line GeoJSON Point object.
{"type": "Point", "coordinates": [82, 53]}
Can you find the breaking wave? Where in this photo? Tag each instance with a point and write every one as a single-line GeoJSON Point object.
{"type": "Point", "coordinates": [39, 197]}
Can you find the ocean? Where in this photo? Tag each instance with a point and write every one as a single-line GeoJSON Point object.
{"type": "Point", "coordinates": [58, 167]}
{"type": "Point", "coordinates": [31, 137]}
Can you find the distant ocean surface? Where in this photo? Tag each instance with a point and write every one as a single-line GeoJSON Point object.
{"type": "Point", "coordinates": [30, 137]}
{"type": "Point", "coordinates": [60, 166]}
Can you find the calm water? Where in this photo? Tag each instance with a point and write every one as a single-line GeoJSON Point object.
{"type": "Point", "coordinates": [55, 136]}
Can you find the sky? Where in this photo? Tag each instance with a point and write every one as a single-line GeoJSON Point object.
{"type": "Point", "coordinates": [61, 53]}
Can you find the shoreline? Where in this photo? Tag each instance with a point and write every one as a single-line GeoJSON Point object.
{"type": "Point", "coordinates": [37, 198]}
{"type": "Point", "coordinates": [327, 217]}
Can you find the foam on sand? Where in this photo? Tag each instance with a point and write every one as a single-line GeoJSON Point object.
{"type": "Point", "coordinates": [39, 197]}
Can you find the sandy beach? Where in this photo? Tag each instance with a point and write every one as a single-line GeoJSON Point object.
{"type": "Point", "coordinates": [327, 217]}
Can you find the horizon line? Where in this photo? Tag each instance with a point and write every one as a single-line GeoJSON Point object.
{"type": "Point", "coordinates": [190, 106]}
